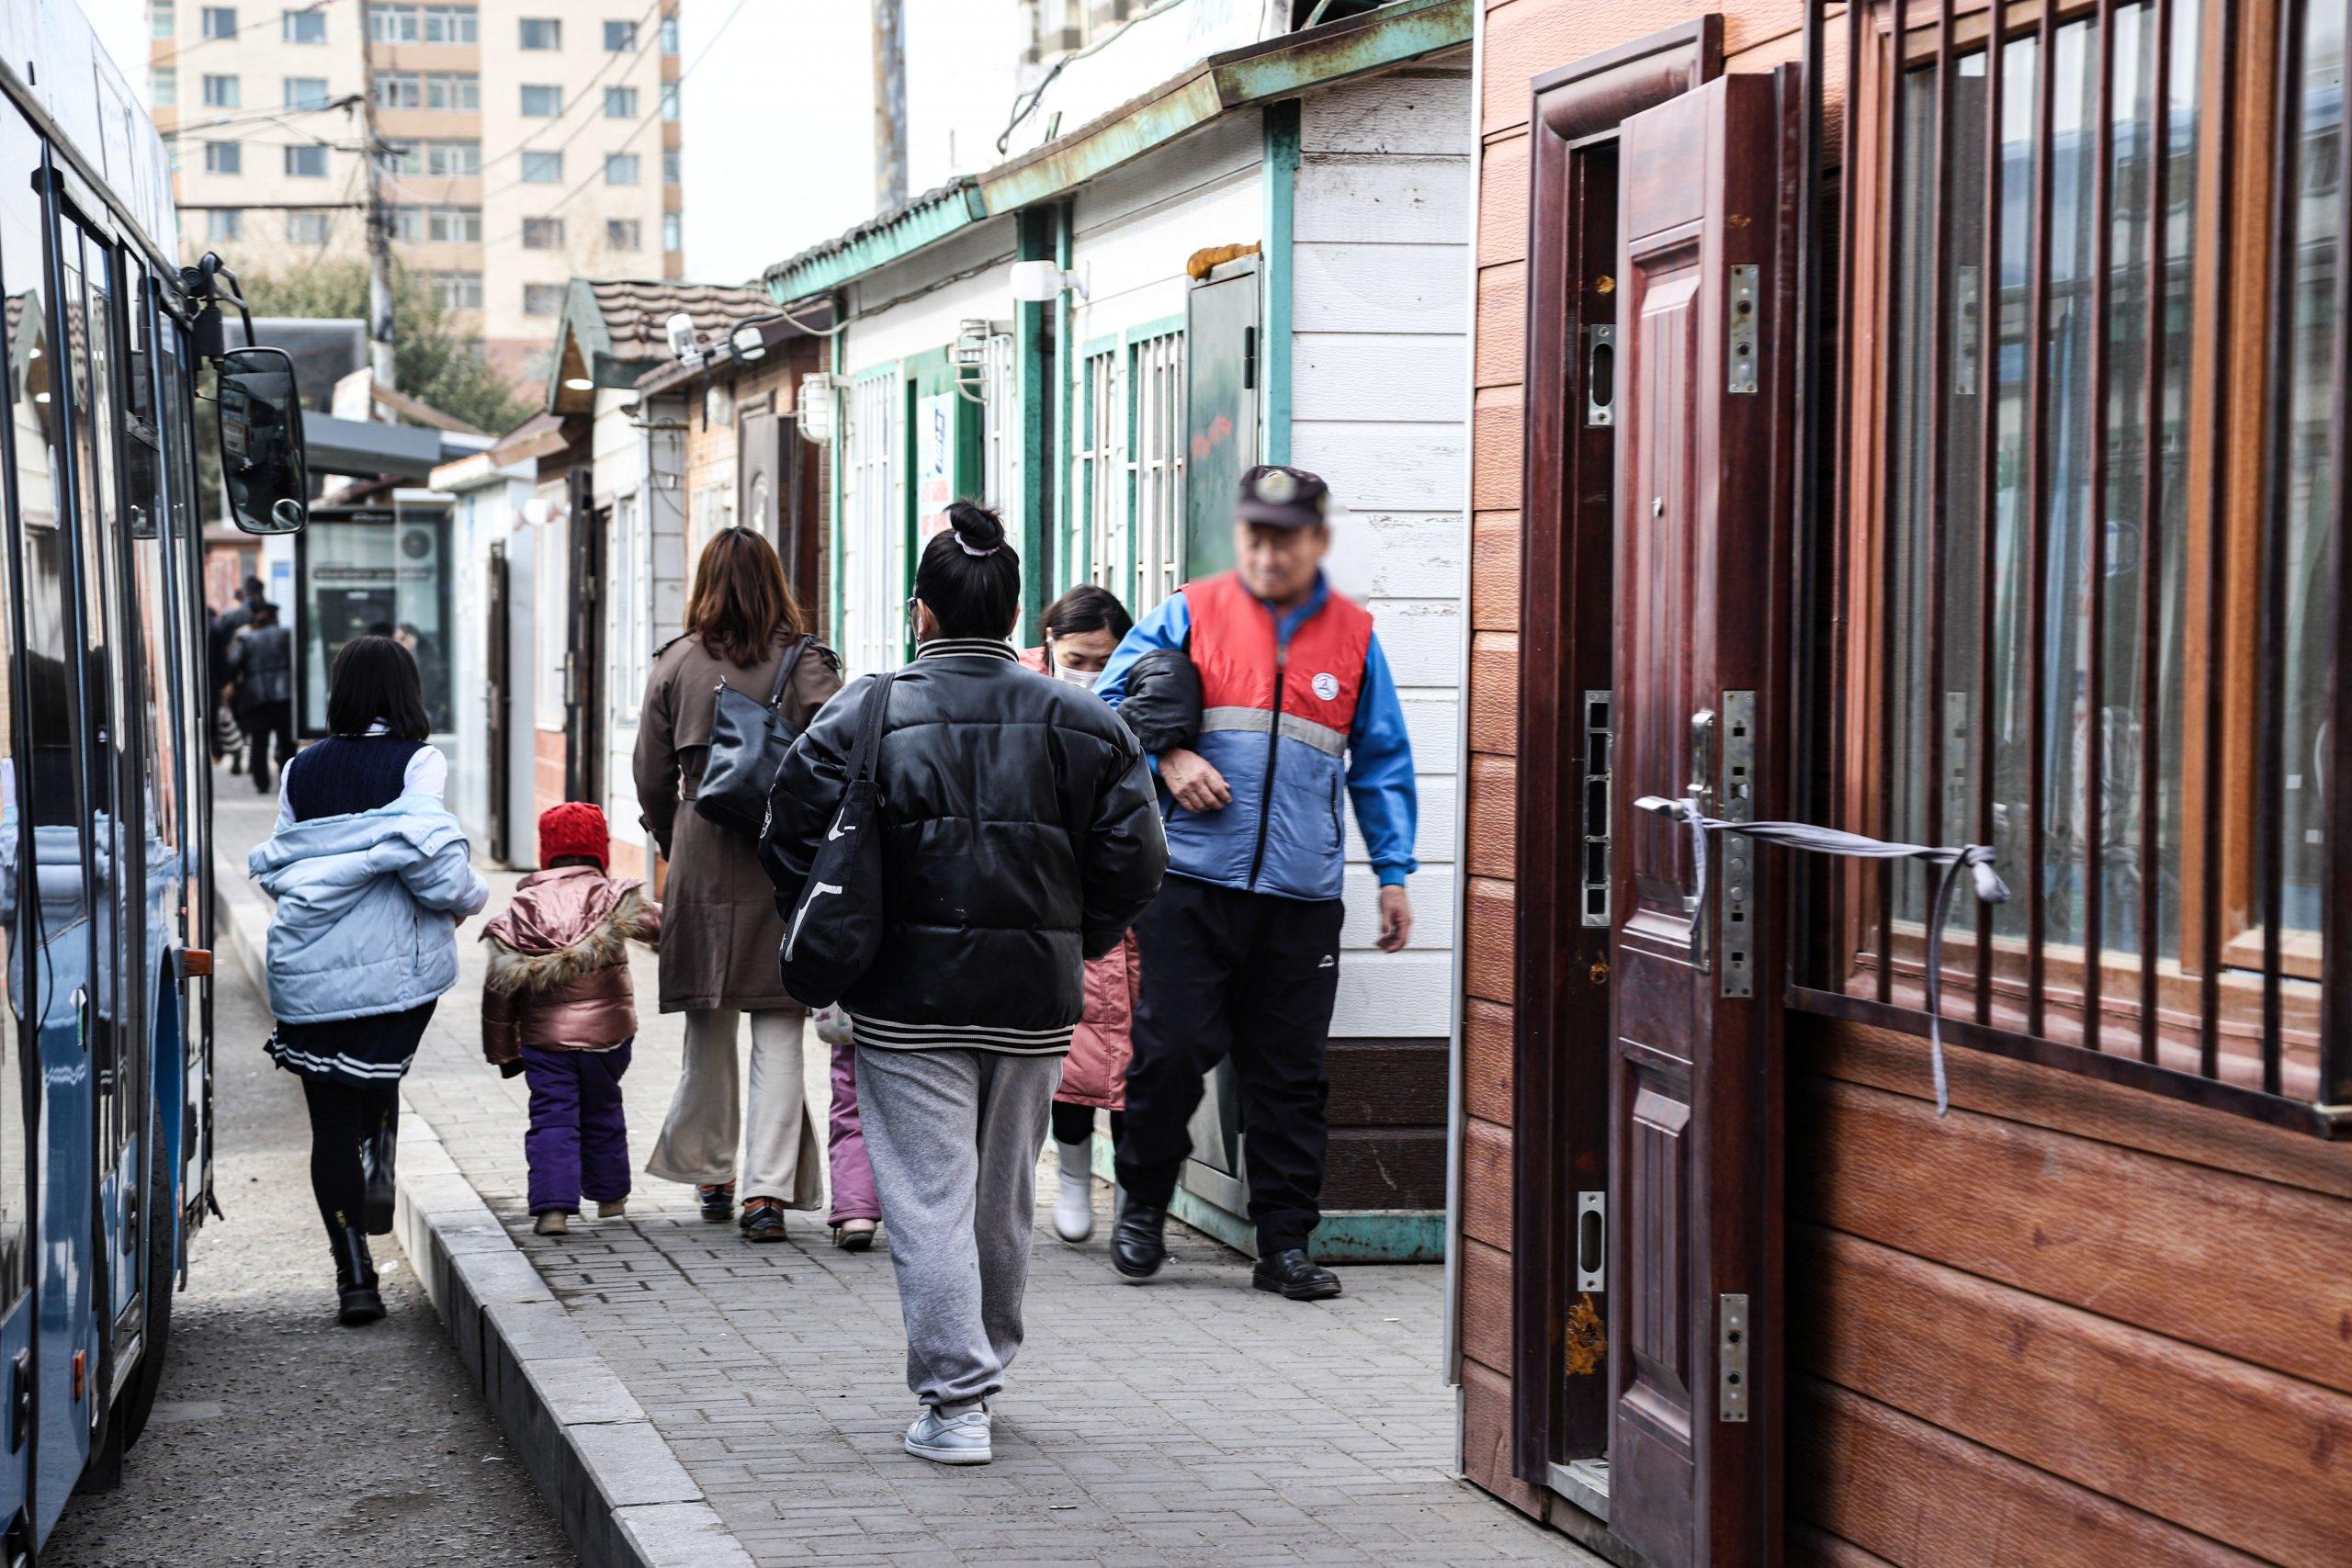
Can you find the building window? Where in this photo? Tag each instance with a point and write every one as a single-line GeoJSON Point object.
{"type": "Point", "coordinates": [670, 108]}
{"type": "Point", "coordinates": [307, 162]}
{"type": "Point", "coordinates": [669, 35]}
{"type": "Point", "coordinates": [624, 235]}
{"type": "Point", "coordinates": [673, 233]}
{"type": "Point", "coordinates": [305, 92]}
{"type": "Point", "coordinates": [219, 21]}
{"type": "Point", "coordinates": [224, 158]}
{"type": "Point", "coordinates": [543, 233]}
{"type": "Point", "coordinates": [456, 291]}
{"type": "Point", "coordinates": [163, 87]}
{"type": "Point", "coordinates": [220, 93]}
{"type": "Point", "coordinates": [304, 26]}
{"type": "Point", "coordinates": [542, 32]}
{"type": "Point", "coordinates": [399, 90]}
{"type": "Point", "coordinates": [451, 225]}
{"type": "Point", "coordinates": [224, 223]}
{"type": "Point", "coordinates": [453, 158]}
{"type": "Point", "coordinates": [161, 21]}
{"type": "Point", "coordinates": [452, 90]}
{"type": "Point", "coordinates": [402, 158]}
{"type": "Point", "coordinates": [542, 168]}
{"type": "Point", "coordinates": [309, 228]}
{"type": "Point", "coordinates": [424, 24]}
{"type": "Point", "coordinates": [620, 168]}
{"type": "Point", "coordinates": [543, 299]}
{"type": "Point", "coordinates": [671, 169]}
{"type": "Point", "coordinates": [619, 36]}
{"type": "Point", "coordinates": [451, 24]}
{"type": "Point", "coordinates": [541, 100]}
{"type": "Point", "coordinates": [620, 103]}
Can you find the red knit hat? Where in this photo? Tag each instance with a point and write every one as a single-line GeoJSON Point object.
{"type": "Point", "coordinates": [575, 827]}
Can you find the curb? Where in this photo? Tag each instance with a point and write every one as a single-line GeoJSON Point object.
{"type": "Point", "coordinates": [624, 1499]}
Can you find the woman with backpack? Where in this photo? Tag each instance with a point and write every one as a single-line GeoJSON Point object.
{"type": "Point", "coordinates": [1018, 837]}
{"type": "Point", "coordinates": [720, 932]}
{"type": "Point", "coordinates": [371, 875]}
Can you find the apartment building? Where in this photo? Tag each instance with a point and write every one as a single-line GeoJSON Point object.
{"type": "Point", "coordinates": [525, 142]}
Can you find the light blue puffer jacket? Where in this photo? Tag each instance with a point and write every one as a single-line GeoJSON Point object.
{"type": "Point", "coordinates": [368, 905]}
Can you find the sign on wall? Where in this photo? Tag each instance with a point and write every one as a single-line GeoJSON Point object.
{"type": "Point", "coordinates": [934, 461]}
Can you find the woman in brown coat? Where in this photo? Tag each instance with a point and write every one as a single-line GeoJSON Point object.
{"type": "Point", "coordinates": [721, 933]}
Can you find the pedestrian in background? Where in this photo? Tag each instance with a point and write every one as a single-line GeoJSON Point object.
{"type": "Point", "coordinates": [1241, 950]}
{"type": "Point", "coordinates": [227, 737]}
{"type": "Point", "coordinates": [721, 932]}
{"type": "Point", "coordinates": [855, 1207]}
{"type": "Point", "coordinates": [557, 1006]}
{"type": "Point", "coordinates": [1084, 628]}
{"type": "Point", "coordinates": [261, 657]}
{"type": "Point", "coordinates": [1018, 839]}
{"type": "Point", "coordinates": [371, 876]}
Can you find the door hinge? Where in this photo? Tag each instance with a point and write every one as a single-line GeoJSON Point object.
{"type": "Point", "coordinates": [1731, 1358]}
{"type": "Point", "coordinates": [1592, 1241]}
{"type": "Point", "coordinates": [1595, 867]}
{"type": "Point", "coordinates": [1744, 307]}
{"type": "Point", "coordinates": [1735, 906]}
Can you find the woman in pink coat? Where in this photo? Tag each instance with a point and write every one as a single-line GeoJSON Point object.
{"type": "Point", "coordinates": [1083, 628]}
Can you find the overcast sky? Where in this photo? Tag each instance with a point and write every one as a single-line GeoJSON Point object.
{"type": "Point", "coordinates": [779, 112]}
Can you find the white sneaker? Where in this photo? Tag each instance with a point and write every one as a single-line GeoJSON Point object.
{"type": "Point", "coordinates": [952, 1439]}
{"type": "Point", "coordinates": [1074, 1205]}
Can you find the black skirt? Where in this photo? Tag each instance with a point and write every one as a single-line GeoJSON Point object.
{"type": "Point", "coordinates": [358, 1051]}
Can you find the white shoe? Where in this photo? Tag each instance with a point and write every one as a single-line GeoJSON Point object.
{"type": "Point", "coordinates": [1074, 1205]}
{"type": "Point", "coordinates": [953, 1439]}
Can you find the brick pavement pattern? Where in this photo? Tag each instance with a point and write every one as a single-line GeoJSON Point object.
{"type": "Point", "coordinates": [1193, 1420]}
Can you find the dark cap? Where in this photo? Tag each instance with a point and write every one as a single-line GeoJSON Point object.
{"type": "Point", "coordinates": [1287, 498]}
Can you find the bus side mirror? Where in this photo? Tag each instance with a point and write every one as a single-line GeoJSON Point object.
{"type": "Point", "coordinates": [261, 459]}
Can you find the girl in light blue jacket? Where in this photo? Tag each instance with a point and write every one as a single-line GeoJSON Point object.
{"type": "Point", "coordinates": [371, 876]}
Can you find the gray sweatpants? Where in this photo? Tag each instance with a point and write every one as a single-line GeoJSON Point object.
{"type": "Point", "coordinates": [953, 1136]}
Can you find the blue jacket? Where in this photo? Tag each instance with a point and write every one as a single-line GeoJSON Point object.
{"type": "Point", "coordinates": [1214, 846]}
{"type": "Point", "coordinates": [368, 905]}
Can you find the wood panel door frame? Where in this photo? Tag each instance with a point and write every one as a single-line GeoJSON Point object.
{"type": "Point", "coordinates": [1560, 1020]}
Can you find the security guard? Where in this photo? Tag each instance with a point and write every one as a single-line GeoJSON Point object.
{"type": "Point", "coordinates": [1240, 952]}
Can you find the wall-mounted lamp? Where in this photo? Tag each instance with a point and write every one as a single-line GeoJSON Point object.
{"type": "Point", "coordinates": [579, 384]}
{"type": "Point", "coordinates": [750, 341]}
{"type": "Point", "coordinates": [813, 408]}
{"type": "Point", "coordinates": [683, 342]}
{"type": "Point", "coordinates": [1041, 282]}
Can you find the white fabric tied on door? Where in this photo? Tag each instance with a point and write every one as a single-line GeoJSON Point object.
{"type": "Point", "coordinates": [1977, 858]}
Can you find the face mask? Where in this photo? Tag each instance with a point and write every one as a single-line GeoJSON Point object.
{"type": "Point", "coordinates": [1085, 678]}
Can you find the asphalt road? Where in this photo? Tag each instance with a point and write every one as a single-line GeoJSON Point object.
{"type": "Point", "coordinates": [280, 1438]}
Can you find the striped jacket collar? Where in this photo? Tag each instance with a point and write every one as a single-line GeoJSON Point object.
{"type": "Point", "coordinates": [968, 647]}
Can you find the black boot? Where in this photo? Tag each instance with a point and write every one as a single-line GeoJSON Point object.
{"type": "Point", "coordinates": [357, 1301]}
{"type": "Point", "coordinates": [376, 1152]}
{"type": "Point", "coordinates": [1295, 1274]}
{"type": "Point", "coordinates": [1137, 1245]}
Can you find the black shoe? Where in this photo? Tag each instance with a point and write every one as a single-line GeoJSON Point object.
{"type": "Point", "coordinates": [1295, 1274]}
{"type": "Point", "coordinates": [356, 1300]}
{"type": "Point", "coordinates": [1137, 1245]}
{"type": "Point", "coordinates": [376, 1155]}
{"type": "Point", "coordinates": [717, 1203]}
{"type": "Point", "coordinates": [762, 1220]}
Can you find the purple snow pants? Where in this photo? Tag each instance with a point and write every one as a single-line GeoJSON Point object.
{"type": "Point", "coordinates": [578, 1137]}
{"type": "Point", "coordinates": [846, 1143]}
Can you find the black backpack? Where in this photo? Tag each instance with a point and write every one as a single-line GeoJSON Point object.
{"type": "Point", "coordinates": [834, 929]}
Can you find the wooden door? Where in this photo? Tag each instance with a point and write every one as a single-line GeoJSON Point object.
{"type": "Point", "coordinates": [1702, 618]}
{"type": "Point", "coordinates": [584, 671]}
{"type": "Point", "coordinates": [498, 731]}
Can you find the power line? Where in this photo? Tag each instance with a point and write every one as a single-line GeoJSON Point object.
{"type": "Point", "coordinates": [179, 49]}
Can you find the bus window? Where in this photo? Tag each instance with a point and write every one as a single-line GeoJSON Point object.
{"type": "Point", "coordinates": [160, 664]}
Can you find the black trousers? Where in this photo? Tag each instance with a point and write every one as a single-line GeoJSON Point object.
{"type": "Point", "coordinates": [342, 1115]}
{"type": "Point", "coordinates": [1074, 1124]}
{"type": "Point", "coordinates": [1250, 976]}
{"type": "Point", "coordinates": [263, 721]}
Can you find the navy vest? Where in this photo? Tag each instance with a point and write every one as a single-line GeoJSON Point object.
{"type": "Point", "coordinates": [339, 776]}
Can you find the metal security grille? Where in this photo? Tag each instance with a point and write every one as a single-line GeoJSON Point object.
{"type": "Point", "coordinates": [874, 545]}
{"type": "Point", "coordinates": [1000, 478]}
{"type": "Point", "coordinates": [2087, 467]}
{"type": "Point", "coordinates": [1156, 368]}
{"type": "Point", "coordinates": [1099, 540]}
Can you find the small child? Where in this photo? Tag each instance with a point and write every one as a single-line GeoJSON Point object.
{"type": "Point", "coordinates": [558, 1008]}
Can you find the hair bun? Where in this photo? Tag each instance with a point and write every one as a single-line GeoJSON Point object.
{"type": "Point", "coordinates": [979, 529]}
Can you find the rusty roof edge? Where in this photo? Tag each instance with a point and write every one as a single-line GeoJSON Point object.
{"type": "Point", "coordinates": [1222, 83]}
{"type": "Point", "coordinates": [1201, 92]}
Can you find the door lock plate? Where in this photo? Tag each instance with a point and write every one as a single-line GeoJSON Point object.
{"type": "Point", "coordinates": [1731, 1358]}
{"type": "Point", "coordinates": [1601, 375]}
{"type": "Point", "coordinates": [1595, 864]}
{"type": "Point", "coordinates": [1592, 1241]}
{"type": "Point", "coordinates": [1745, 301]}
{"type": "Point", "coordinates": [1735, 902]}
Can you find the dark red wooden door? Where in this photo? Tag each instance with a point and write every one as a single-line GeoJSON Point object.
{"type": "Point", "coordinates": [1701, 617]}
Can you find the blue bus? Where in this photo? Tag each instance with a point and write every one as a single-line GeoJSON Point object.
{"type": "Point", "coordinates": [104, 803]}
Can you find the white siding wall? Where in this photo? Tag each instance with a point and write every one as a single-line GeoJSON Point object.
{"type": "Point", "coordinates": [618, 454]}
{"type": "Point", "coordinates": [1380, 317]}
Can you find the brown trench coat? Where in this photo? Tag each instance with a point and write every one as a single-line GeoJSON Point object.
{"type": "Point", "coordinates": [721, 933]}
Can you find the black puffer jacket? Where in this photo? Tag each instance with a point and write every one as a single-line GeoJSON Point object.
{"type": "Point", "coordinates": [1020, 836]}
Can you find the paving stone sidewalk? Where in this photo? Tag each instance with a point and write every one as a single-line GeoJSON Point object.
{"type": "Point", "coordinates": [1190, 1421]}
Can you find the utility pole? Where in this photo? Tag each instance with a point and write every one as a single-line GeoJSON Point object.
{"type": "Point", "coordinates": [889, 105]}
{"type": "Point", "coordinates": [381, 336]}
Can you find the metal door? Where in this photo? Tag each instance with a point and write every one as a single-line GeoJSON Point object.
{"type": "Point", "coordinates": [1694, 1191]}
{"type": "Point", "coordinates": [495, 735]}
{"type": "Point", "coordinates": [1220, 411]}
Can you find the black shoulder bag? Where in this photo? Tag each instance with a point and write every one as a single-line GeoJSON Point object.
{"type": "Point", "coordinates": [835, 929]}
{"type": "Point", "coordinates": [748, 741]}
